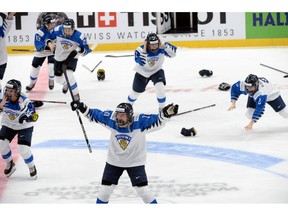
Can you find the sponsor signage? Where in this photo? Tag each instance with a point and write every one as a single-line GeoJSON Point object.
{"type": "Point", "coordinates": [267, 25]}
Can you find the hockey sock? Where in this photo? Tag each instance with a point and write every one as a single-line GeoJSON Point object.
{"type": "Point", "coordinates": [34, 74]}
{"type": "Point", "coordinates": [105, 193]}
{"type": "Point", "coordinates": [133, 97]}
{"type": "Point", "coordinates": [5, 150]}
{"type": "Point", "coordinates": [51, 70]}
{"type": "Point", "coordinates": [26, 154]}
{"type": "Point", "coordinates": [284, 112]}
{"type": "Point", "coordinates": [160, 93]}
{"type": "Point", "coordinates": [145, 193]}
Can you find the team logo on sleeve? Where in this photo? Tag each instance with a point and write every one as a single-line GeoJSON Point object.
{"type": "Point", "coordinates": [123, 140]}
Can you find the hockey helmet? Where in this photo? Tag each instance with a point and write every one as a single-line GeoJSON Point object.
{"type": "Point", "coordinates": [101, 74]}
{"type": "Point", "coordinates": [15, 85]}
{"type": "Point", "coordinates": [152, 39]}
{"type": "Point", "coordinates": [251, 84]}
{"type": "Point", "coordinates": [68, 27]}
{"type": "Point", "coordinates": [128, 110]}
{"type": "Point", "coordinates": [48, 20]}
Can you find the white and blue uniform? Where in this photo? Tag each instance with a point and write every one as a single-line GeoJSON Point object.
{"type": "Point", "coordinates": [154, 60]}
{"type": "Point", "coordinates": [127, 151]}
{"type": "Point", "coordinates": [11, 113]}
{"type": "Point", "coordinates": [64, 46]}
{"type": "Point", "coordinates": [11, 126]}
{"type": "Point", "coordinates": [41, 38]}
{"type": "Point", "coordinates": [127, 147]}
{"type": "Point", "coordinates": [5, 26]}
{"type": "Point", "coordinates": [43, 51]}
{"type": "Point", "coordinates": [149, 66]}
{"type": "Point", "coordinates": [266, 93]}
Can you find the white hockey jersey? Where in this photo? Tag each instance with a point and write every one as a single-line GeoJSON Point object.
{"type": "Point", "coordinates": [5, 26]}
{"type": "Point", "coordinates": [127, 147]}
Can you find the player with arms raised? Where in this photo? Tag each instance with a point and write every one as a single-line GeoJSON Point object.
{"type": "Point", "coordinates": [127, 146]}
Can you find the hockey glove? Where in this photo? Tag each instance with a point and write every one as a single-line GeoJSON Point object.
{"type": "Point", "coordinates": [78, 105]}
{"type": "Point", "coordinates": [170, 110]}
{"type": "Point", "coordinates": [224, 86]}
{"type": "Point", "coordinates": [28, 117]}
{"type": "Point", "coordinates": [188, 132]}
{"type": "Point", "coordinates": [83, 51]}
{"type": "Point", "coordinates": [70, 57]}
{"type": "Point", "coordinates": [205, 73]}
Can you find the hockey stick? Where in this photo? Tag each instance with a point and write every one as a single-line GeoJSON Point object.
{"type": "Point", "coordinates": [27, 50]}
{"type": "Point", "coordinates": [49, 101]}
{"type": "Point", "coordinates": [273, 68]}
{"type": "Point", "coordinates": [93, 68]}
{"type": "Point", "coordinates": [118, 56]}
{"type": "Point", "coordinates": [108, 56]}
{"type": "Point", "coordinates": [64, 67]}
{"type": "Point", "coordinates": [193, 110]}
{"type": "Point", "coordinates": [39, 103]}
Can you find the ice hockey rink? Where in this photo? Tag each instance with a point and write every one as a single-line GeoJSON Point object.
{"type": "Point", "coordinates": [222, 164]}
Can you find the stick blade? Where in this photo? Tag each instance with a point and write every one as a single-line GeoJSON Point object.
{"type": "Point", "coordinates": [37, 103]}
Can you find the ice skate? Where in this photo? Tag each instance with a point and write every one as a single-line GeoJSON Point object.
{"type": "Point", "coordinates": [33, 172]}
{"type": "Point", "coordinates": [51, 84]}
{"type": "Point", "coordinates": [30, 86]}
{"type": "Point", "coordinates": [65, 88]}
{"type": "Point", "coordinates": [10, 168]}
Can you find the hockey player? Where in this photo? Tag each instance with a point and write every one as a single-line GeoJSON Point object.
{"type": "Point", "coordinates": [69, 44]}
{"type": "Point", "coordinates": [44, 51]}
{"type": "Point", "coordinates": [149, 58]}
{"type": "Point", "coordinates": [260, 91]}
{"type": "Point", "coordinates": [5, 26]}
{"type": "Point", "coordinates": [18, 117]}
{"type": "Point", "coordinates": [127, 147]}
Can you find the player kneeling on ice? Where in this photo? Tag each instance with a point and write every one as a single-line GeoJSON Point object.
{"type": "Point", "coordinates": [127, 147]}
{"type": "Point", "coordinates": [18, 117]}
{"type": "Point", "coordinates": [260, 92]}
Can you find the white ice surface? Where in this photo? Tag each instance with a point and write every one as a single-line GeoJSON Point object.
{"type": "Point", "coordinates": [207, 174]}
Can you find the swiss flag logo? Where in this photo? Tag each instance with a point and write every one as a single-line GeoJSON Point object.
{"type": "Point", "coordinates": [107, 19]}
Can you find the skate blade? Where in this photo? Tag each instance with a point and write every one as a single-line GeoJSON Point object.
{"type": "Point", "coordinates": [34, 177]}
{"type": "Point", "coordinates": [12, 171]}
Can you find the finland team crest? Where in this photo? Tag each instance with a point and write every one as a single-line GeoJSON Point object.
{"type": "Point", "coordinates": [123, 140]}
{"type": "Point", "coordinates": [152, 61]}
